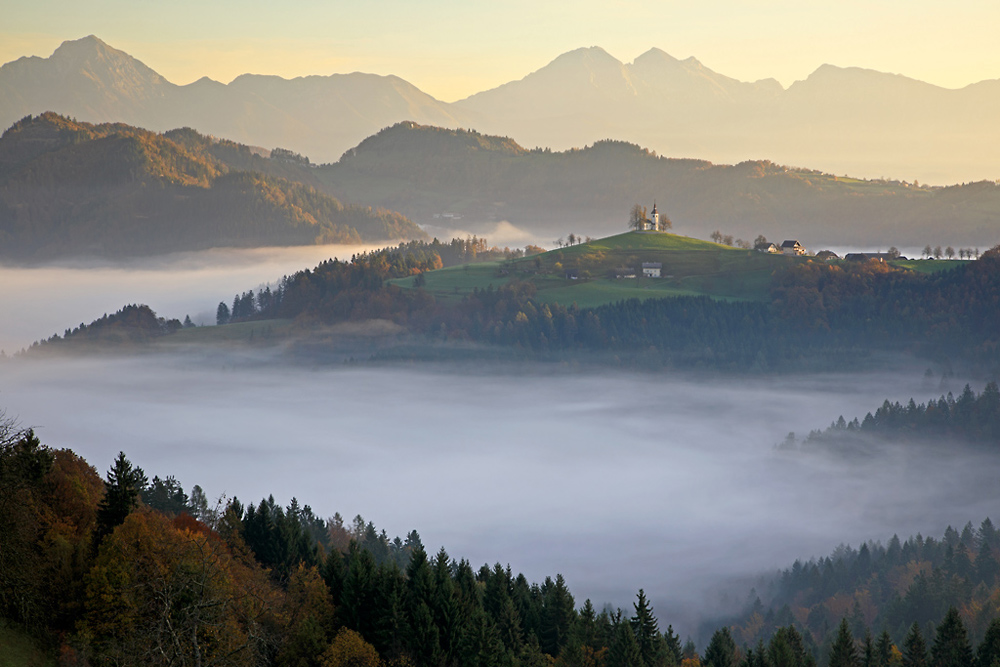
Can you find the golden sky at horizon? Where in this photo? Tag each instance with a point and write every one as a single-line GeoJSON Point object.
{"type": "Point", "coordinates": [452, 49]}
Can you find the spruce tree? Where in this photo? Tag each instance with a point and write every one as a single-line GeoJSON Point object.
{"type": "Point", "coordinates": [951, 643]}
{"type": "Point", "coordinates": [624, 650]}
{"type": "Point", "coordinates": [914, 648]}
{"type": "Point", "coordinates": [843, 653]}
{"type": "Point", "coordinates": [721, 650]}
{"type": "Point", "coordinates": [883, 650]}
{"type": "Point", "coordinates": [989, 649]}
{"type": "Point", "coordinates": [121, 496]}
{"type": "Point", "coordinates": [645, 628]}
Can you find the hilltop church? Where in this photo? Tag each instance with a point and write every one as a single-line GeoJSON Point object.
{"type": "Point", "coordinates": [652, 224]}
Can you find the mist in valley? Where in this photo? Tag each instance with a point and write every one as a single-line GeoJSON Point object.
{"type": "Point", "coordinates": [39, 301]}
{"type": "Point", "coordinates": [667, 482]}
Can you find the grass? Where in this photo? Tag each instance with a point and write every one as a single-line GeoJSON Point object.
{"type": "Point", "coordinates": [18, 649]}
{"type": "Point", "coordinates": [929, 265]}
{"type": "Point", "coordinates": [238, 332]}
{"type": "Point", "coordinates": [690, 267]}
{"type": "Point", "coordinates": [455, 282]}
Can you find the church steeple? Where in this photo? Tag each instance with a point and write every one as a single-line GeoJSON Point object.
{"type": "Point", "coordinates": [656, 218]}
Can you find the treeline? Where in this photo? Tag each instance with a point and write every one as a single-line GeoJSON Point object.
{"type": "Point", "coordinates": [133, 324]}
{"type": "Point", "coordinates": [971, 418]}
{"type": "Point", "coordinates": [128, 571]}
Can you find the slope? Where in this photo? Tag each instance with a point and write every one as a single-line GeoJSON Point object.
{"type": "Point", "coordinates": [70, 188]}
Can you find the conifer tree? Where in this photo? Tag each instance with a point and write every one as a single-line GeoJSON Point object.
{"type": "Point", "coordinates": [121, 495]}
{"type": "Point", "coordinates": [989, 649]}
{"type": "Point", "coordinates": [914, 648]}
{"type": "Point", "coordinates": [951, 642]}
{"type": "Point", "coordinates": [645, 628]}
{"type": "Point", "coordinates": [673, 642]}
{"type": "Point", "coordinates": [624, 650]}
{"type": "Point", "coordinates": [721, 650]}
{"type": "Point", "coordinates": [843, 653]}
{"type": "Point", "coordinates": [883, 650]}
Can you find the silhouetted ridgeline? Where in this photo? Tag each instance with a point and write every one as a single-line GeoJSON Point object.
{"type": "Point", "coordinates": [69, 188]}
{"type": "Point", "coordinates": [128, 571]}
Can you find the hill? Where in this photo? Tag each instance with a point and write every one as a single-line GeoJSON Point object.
{"type": "Point", "coordinates": [584, 273]}
{"type": "Point", "coordinates": [839, 119]}
{"type": "Point", "coordinates": [478, 180]}
{"type": "Point", "coordinates": [71, 188]}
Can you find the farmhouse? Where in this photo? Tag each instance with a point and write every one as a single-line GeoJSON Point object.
{"type": "Point", "coordinates": [766, 246]}
{"type": "Point", "coordinates": [792, 247]}
{"type": "Point", "coordinates": [651, 269]}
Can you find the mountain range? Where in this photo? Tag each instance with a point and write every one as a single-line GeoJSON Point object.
{"type": "Point", "coordinates": [840, 120]}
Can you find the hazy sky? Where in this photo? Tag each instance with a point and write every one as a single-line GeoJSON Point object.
{"type": "Point", "coordinates": [453, 48]}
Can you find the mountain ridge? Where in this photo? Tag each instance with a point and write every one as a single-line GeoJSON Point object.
{"type": "Point", "coordinates": [839, 119]}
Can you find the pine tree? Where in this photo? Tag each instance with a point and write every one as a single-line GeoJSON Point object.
{"type": "Point", "coordinates": [557, 617]}
{"type": "Point", "coordinates": [624, 650]}
{"type": "Point", "coordinates": [121, 496]}
{"type": "Point", "coordinates": [989, 649]}
{"type": "Point", "coordinates": [843, 653]}
{"type": "Point", "coordinates": [868, 650]}
{"type": "Point", "coordinates": [914, 648]}
{"type": "Point", "coordinates": [674, 645]}
{"type": "Point", "coordinates": [951, 643]}
{"type": "Point", "coordinates": [645, 628]}
{"type": "Point", "coordinates": [883, 650]}
{"type": "Point", "coordinates": [721, 650]}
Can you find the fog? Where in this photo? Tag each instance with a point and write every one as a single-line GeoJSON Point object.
{"type": "Point", "coordinates": [616, 480]}
{"type": "Point", "coordinates": [40, 301]}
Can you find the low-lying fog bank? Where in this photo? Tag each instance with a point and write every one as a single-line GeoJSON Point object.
{"type": "Point", "coordinates": [616, 480]}
{"type": "Point", "coordinates": [39, 301]}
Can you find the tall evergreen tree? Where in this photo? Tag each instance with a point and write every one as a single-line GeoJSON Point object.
{"type": "Point", "coordinates": [843, 653]}
{"type": "Point", "coordinates": [121, 495]}
{"type": "Point", "coordinates": [674, 647]}
{"type": "Point", "coordinates": [883, 650]}
{"type": "Point", "coordinates": [914, 648]}
{"type": "Point", "coordinates": [721, 650]}
{"type": "Point", "coordinates": [557, 617]}
{"type": "Point", "coordinates": [644, 626]}
{"type": "Point", "coordinates": [624, 650]}
{"type": "Point", "coordinates": [951, 642]}
{"type": "Point", "coordinates": [989, 648]}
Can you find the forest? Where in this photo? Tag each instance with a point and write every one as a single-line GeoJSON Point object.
{"type": "Point", "coordinates": [127, 570]}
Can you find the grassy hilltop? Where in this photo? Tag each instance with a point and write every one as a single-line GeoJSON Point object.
{"type": "Point", "coordinates": [690, 267]}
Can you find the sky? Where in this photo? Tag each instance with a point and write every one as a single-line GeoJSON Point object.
{"type": "Point", "coordinates": [454, 48]}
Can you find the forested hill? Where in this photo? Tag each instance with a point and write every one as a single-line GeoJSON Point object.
{"type": "Point", "coordinates": [131, 571]}
{"type": "Point", "coordinates": [428, 171]}
{"type": "Point", "coordinates": [70, 188]}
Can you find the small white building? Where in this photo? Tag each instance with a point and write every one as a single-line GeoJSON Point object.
{"type": "Point", "coordinates": [651, 269]}
{"type": "Point", "coordinates": [792, 248]}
